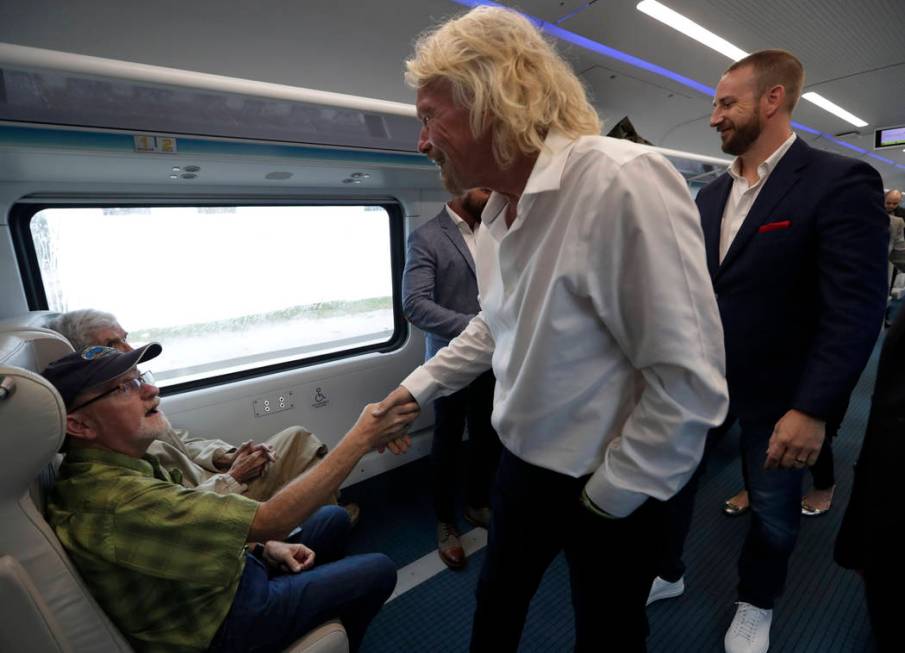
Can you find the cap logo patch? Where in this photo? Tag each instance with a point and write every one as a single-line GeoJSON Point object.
{"type": "Point", "coordinates": [90, 353]}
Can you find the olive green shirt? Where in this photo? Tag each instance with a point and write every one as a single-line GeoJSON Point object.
{"type": "Point", "coordinates": [163, 561]}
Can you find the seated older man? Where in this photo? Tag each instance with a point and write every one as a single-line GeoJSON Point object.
{"type": "Point", "coordinates": [256, 470]}
{"type": "Point", "coordinates": [186, 570]}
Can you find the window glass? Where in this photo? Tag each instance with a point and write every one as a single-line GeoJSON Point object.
{"type": "Point", "coordinates": [224, 289]}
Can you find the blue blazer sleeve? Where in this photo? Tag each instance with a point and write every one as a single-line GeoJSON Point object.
{"type": "Point", "coordinates": [419, 287]}
{"type": "Point", "coordinates": [851, 245]}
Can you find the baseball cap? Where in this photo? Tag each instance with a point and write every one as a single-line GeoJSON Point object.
{"type": "Point", "coordinates": [94, 366]}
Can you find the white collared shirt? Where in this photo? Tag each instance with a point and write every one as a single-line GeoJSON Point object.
{"type": "Point", "coordinates": [599, 320]}
{"type": "Point", "coordinates": [467, 234]}
{"type": "Point", "coordinates": [742, 196]}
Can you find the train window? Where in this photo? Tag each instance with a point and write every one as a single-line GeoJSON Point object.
{"type": "Point", "coordinates": [226, 289]}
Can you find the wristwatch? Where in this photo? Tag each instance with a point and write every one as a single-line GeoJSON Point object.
{"type": "Point", "coordinates": [590, 505]}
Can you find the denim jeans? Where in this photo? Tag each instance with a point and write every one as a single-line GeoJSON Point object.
{"type": "Point", "coordinates": [775, 498]}
{"type": "Point", "coordinates": [272, 609]}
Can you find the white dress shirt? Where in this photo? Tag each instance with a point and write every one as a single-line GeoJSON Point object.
{"type": "Point", "coordinates": [467, 234]}
{"type": "Point", "coordinates": [599, 320]}
{"type": "Point", "coordinates": [742, 196]}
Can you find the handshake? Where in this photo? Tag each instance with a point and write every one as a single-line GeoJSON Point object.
{"type": "Point", "coordinates": [383, 425]}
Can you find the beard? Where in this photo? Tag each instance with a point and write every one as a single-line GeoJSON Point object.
{"type": "Point", "coordinates": [744, 135]}
{"type": "Point", "coordinates": [474, 205]}
{"type": "Point", "coordinates": [156, 431]}
{"type": "Point", "coordinates": [448, 176]}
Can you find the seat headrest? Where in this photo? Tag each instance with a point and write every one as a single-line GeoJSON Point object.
{"type": "Point", "coordinates": [32, 428]}
{"type": "Point", "coordinates": [28, 320]}
{"type": "Point", "coordinates": [32, 348]}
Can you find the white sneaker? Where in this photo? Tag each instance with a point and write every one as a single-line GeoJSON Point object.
{"type": "Point", "coordinates": [749, 631]}
{"type": "Point", "coordinates": [663, 589]}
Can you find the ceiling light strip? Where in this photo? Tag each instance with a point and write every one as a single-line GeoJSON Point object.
{"type": "Point", "coordinates": [702, 35]}
{"type": "Point", "coordinates": [599, 48]}
{"type": "Point", "coordinates": [881, 158]}
{"type": "Point", "coordinates": [690, 28]}
{"type": "Point", "coordinates": [833, 108]}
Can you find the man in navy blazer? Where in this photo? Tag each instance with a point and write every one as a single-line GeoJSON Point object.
{"type": "Point", "coordinates": [796, 246]}
{"type": "Point", "coordinates": [440, 296]}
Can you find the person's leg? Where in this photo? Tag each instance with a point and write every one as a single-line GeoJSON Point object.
{"type": "Point", "coordinates": [526, 531]}
{"type": "Point", "coordinates": [678, 512]}
{"type": "Point", "coordinates": [449, 423]}
{"type": "Point", "coordinates": [820, 497]}
{"type": "Point", "coordinates": [611, 565]}
{"type": "Point", "coordinates": [326, 533]}
{"type": "Point", "coordinates": [483, 442]}
{"type": "Point", "coordinates": [677, 515]}
{"type": "Point", "coordinates": [775, 496]}
{"type": "Point", "coordinates": [296, 451]}
{"type": "Point", "coordinates": [268, 615]}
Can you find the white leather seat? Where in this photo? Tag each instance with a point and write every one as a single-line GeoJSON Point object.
{"type": "Point", "coordinates": [44, 605]}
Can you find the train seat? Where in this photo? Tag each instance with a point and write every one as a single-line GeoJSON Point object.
{"type": "Point", "coordinates": [46, 605]}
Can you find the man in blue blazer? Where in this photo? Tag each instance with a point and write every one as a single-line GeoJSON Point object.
{"type": "Point", "coordinates": [796, 246]}
{"type": "Point", "coordinates": [440, 296]}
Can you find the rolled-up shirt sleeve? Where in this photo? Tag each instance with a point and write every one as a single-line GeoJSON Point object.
{"type": "Point", "coordinates": [647, 278]}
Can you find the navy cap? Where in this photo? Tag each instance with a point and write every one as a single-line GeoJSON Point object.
{"type": "Point", "coordinates": [94, 366]}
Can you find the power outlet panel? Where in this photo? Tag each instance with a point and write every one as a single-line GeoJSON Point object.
{"type": "Point", "coordinates": [273, 403]}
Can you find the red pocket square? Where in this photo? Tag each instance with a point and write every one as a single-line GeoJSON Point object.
{"type": "Point", "coordinates": [773, 226]}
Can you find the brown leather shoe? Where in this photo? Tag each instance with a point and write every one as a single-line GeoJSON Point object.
{"type": "Point", "coordinates": [449, 546]}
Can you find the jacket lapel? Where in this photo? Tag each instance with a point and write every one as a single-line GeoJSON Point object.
{"type": "Point", "coordinates": [711, 209]}
{"type": "Point", "coordinates": [780, 182]}
{"type": "Point", "coordinates": [455, 236]}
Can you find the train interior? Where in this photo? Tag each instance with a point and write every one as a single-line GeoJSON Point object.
{"type": "Point", "coordinates": [238, 182]}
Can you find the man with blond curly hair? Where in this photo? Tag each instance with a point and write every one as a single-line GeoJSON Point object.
{"type": "Point", "coordinates": [598, 321]}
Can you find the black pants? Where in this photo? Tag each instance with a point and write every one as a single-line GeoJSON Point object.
{"type": "Point", "coordinates": [537, 514]}
{"type": "Point", "coordinates": [473, 404]}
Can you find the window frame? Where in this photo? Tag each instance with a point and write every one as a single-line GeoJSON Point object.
{"type": "Point", "coordinates": [24, 210]}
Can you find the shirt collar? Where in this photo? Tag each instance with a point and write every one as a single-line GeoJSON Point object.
{"type": "Point", "coordinates": [144, 465]}
{"type": "Point", "coordinates": [457, 220]}
{"type": "Point", "coordinates": [765, 168]}
{"type": "Point", "coordinates": [546, 175]}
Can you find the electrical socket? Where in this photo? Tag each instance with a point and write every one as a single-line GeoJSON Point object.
{"type": "Point", "coordinates": [273, 403]}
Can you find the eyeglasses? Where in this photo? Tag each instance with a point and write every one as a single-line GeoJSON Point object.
{"type": "Point", "coordinates": [124, 388]}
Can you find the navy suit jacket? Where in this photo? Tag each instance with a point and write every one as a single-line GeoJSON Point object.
{"type": "Point", "coordinates": [439, 286]}
{"type": "Point", "coordinates": [802, 289]}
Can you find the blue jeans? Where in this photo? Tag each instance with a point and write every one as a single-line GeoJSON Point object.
{"type": "Point", "coordinates": [775, 498]}
{"type": "Point", "coordinates": [272, 609]}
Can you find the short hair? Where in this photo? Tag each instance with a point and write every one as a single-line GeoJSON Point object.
{"type": "Point", "coordinates": [775, 68]}
{"type": "Point", "coordinates": [78, 327]}
{"type": "Point", "coordinates": [510, 78]}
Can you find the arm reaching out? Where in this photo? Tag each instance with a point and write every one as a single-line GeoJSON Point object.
{"type": "Point", "coordinates": [292, 505]}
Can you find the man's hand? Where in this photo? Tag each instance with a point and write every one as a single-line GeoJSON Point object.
{"type": "Point", "coordinates": [250, 461]}
{"type": "Point", "coordinates": [378, 425]}
{"type": "Point", "coordinates": [399, 396]}
{"type": "Point", "coordinates": [223, 460]}
{"type": "Point", "coordinates": [795, 442]}
{"type": "Point", "coordinates": [291, 558]}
